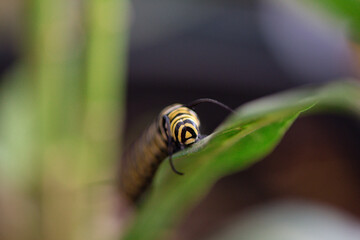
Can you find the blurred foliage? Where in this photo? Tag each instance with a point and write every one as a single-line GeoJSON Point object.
{"type": "Point", "coordinates": [346, 11]}
{"type": "Point", "coordinates": [60, 116]}
{"type": "Point", "coordinates": [248, 135]}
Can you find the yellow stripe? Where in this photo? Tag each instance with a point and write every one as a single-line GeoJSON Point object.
{"type": "Point", "coordinates": [192, 127]}
{"type": "Point", "coordinates": [189, 141]}
{"type": "Point", "coordinates": [174, 123]}
{"type": "Point", "coordinates": [194, 115]}
{"type": "Point", "coordinates": [173, 128]}
{"type": "Point", "coordinates": [179, 133]}
{"type": "Point", "coordinates": [175, 120]}
{"type": "Point", "coordinates": [183, 117]}
{"type": "Point", "coordinates": [189, 125]}
{"type": "Point", "coordinates": [170, 109]}
{"type": "Point", "coordinates": [162, 130]}
{"type": "Point", "coordinates": [177, 111]}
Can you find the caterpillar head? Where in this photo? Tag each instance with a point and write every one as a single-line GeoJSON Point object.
{"type": "Point", "coordinates": [184, 125]}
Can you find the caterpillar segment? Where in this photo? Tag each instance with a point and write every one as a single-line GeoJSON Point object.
{"type": "Point", "coordinates": [176, 128]}
{"type": "Point", "coordinates": [141, 160]}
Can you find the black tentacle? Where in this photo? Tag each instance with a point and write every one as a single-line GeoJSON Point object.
{"type": "Point", "coordinates": [208, 100]}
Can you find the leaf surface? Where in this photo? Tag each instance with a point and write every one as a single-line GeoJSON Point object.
{"type": "Point", "coordinates": [247, 136]}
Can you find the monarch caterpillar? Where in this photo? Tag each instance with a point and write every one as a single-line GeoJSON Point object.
{"type": "Point", "coordinates": [176, 128]}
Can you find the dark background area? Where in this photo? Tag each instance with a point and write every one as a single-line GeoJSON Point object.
{"type": "Point", "coordinates": [225, 50]}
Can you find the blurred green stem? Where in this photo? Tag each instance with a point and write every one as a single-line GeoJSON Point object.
{"type": "Point", "coordinates": [78, 116]}
{"type": "Point", "coordinates": [49, 55]}
{"type": "Point", "coordinates": [105, 85]}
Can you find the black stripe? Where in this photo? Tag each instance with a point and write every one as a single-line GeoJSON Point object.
{"type": "Point", "coordinates": [193, 134]}
{"type": "Point", "coordinates": [192, 123]}
{"type": "Point", "coordinates": [177, 127]}
{"type": "Point", "coordinates": [188, 120]}
{"type": "Point", "coordinates": [161, 127]}
{"type": "Point", "coordinates": [183, 134]}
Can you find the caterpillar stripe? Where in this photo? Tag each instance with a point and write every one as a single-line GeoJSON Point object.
{"type": "Point", "coordinates": [176, 128]}
{"type": "Point", "coordinates": [141, 160]}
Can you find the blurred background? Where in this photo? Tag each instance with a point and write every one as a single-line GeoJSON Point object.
{"type": "Point", "coordinates": [235, 52]}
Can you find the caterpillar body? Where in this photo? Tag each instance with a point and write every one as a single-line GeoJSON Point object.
{"type": "Point", "coordinates": [176, 127]}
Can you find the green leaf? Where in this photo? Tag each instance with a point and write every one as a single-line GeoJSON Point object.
{"type": "Point", "coordinates": [248, 135]}
{"type": "Point", "coordinates": [346, 11]}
